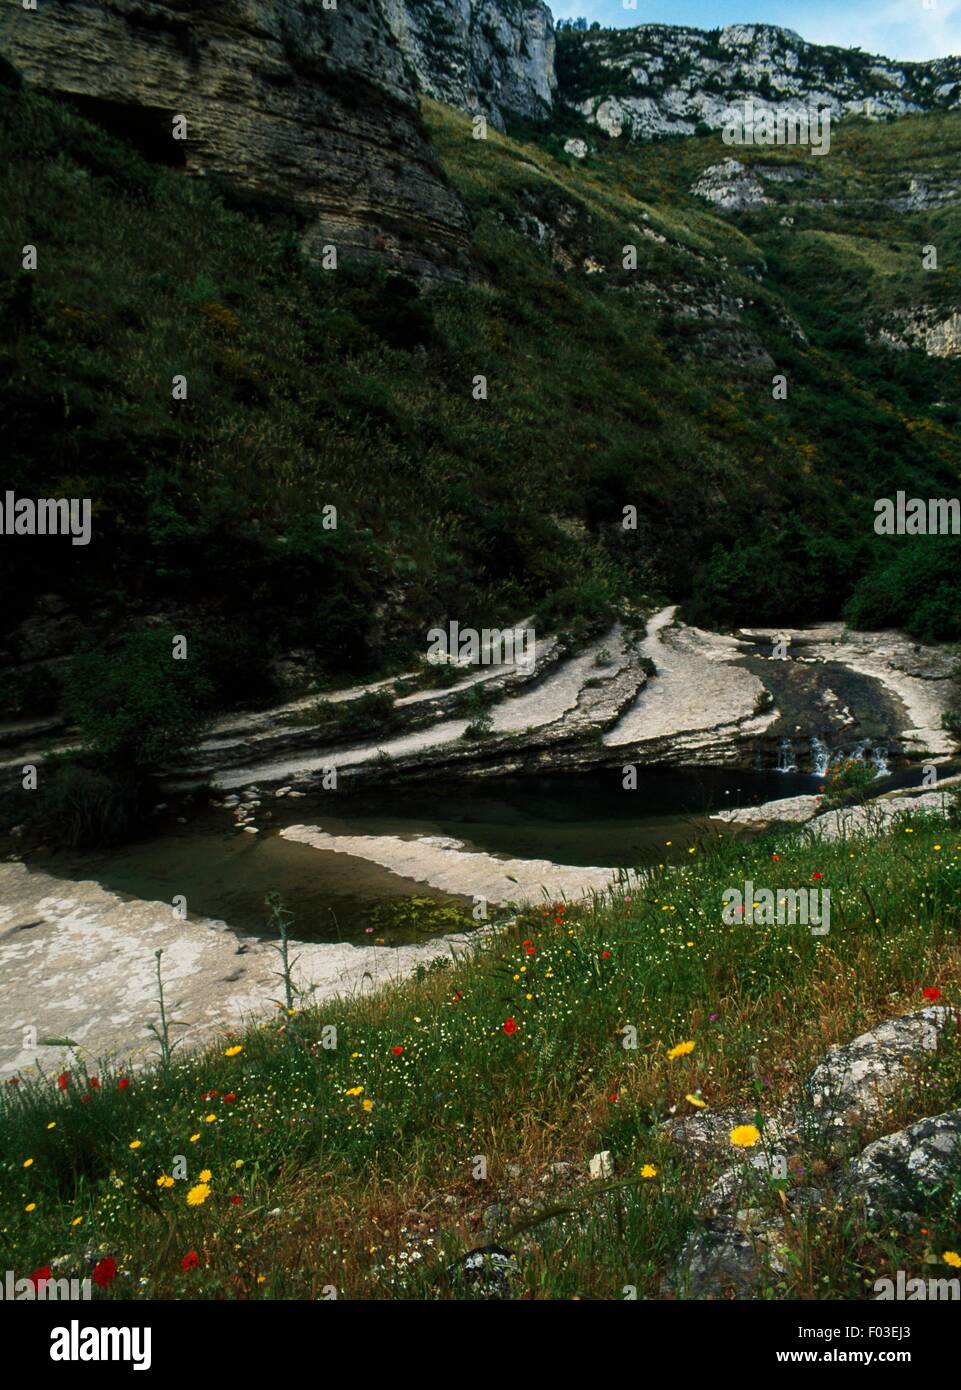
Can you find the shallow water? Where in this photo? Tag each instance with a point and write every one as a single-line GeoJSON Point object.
{"type": "Point", "coordinates": [581, 818]}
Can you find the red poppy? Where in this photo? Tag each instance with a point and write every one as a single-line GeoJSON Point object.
{"type": "Point", "coordinates": [229, 1097]}
{"type": "Point", "coordinates": [457, 996]}
{"type": "Point", "coordinates": [397, 1050]}
{"type": "Point", "coordinates": [527, 943]}
{"type": "Point", "coordinates": [38, 1275]}
{"type": "Point", "coordinates": [235, 1201]}
{"type": "Point", "coordinates": [94, 1083]}
{"type": "Point", "coordinates": [817, 875]}
{"type": "Point", "coordinates": [775, 856]}
{"type": "Point", "coordinates": [931, 993]}
{"type": "Point", "coordinates": [510, 1027]}
{"type": "Point", "coordinates": [123, 1083]}
{"type": "Point", "coordinates": [63, 1080]}
{"type": "Point", "coordinates": [531, 951]}
{"type": "Point", "coordinates": [605, 955]}
{"type": "Point", "coordinates": [104, 1271]}
{"type": "Point", "coordinates": [191, 1260]}
{"type": "Point", "coordinates": [612, 1097]}
{"type": "Point", "coordinates": [85, 1100]}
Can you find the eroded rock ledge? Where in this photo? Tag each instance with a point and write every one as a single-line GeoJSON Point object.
{"type": "Point", "coordinates": [290, 103]}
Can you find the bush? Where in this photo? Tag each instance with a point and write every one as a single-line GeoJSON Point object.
{"type": "Point", "coordinates": [915, 586]}
{"type": "Point", "coordinates": [847, 781]}
{"type": "Point", "coordinates": [84, 808]}
{"type": "Point", "coordinates": [137, 707]}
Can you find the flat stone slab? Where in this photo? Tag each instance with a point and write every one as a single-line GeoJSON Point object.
{"type": "Point", "coordinates": [448, 864]}
{"type": "Point", "coordinates": [697, 689]}
{"type": "Point", "coordinates": [77, 962]}
{"type": "Point", "coordinates": [794, 809]}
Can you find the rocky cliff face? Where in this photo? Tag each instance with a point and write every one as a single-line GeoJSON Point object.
{"type": "Point", "coordinates": [289, 102]}
{"type": "Point", "coordinates": [495, 57]}
{"type": "Point", "coordinates": [664, 80]}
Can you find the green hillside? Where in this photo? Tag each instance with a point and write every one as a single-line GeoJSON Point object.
{"type": "Point", "coordinates": [607, 387]}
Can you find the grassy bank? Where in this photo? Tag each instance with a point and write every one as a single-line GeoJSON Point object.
{"type": "Point", "coordinates": [308, 1165]}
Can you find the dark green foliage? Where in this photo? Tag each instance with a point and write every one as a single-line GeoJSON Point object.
{"type": "Point", "coordinates": [137, 707]}
{"type": "Point", "coordinates": [310, 389]}
{"type": "Point", "coordinates": [915, 584]}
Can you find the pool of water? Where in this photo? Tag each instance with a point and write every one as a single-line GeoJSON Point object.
{"type": "Point", "coordinates": [581, 818]}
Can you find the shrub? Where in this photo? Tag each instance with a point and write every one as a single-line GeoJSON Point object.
{"type": "Point", "coordinates": [848, 780]}
{"type": "Point", "coordinates": [136, 706]}
{"type": "Point", "coordinates": [76, 805]}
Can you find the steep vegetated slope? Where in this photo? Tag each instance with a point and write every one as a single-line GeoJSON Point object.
{"type": "Point", "coordinates": [610, 384]}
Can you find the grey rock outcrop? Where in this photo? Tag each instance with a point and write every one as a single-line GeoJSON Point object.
{"type": "Point", "coordinates": [854, 1082]}
{"type": "Point", "coordinates": [289, 103]}
{"type": "Point", "coordinates": [891, 1174]}
{"type": "Point", "coordinates": [661, 79]}
{"type": "Point", "coordinates": [494, 57]}
{"type": "Point", "coordinates": [935, 331]}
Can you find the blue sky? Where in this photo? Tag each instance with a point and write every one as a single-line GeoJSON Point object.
{"type": "Point", "coordinates": [894, 28]}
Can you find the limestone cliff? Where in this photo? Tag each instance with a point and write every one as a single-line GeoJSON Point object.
{"type": "Point", "coordinates": [288, 101]}
{"type": "Point", "coordinates": [495, 57]}
{"type": "Point", "coordinates": [659, 79]}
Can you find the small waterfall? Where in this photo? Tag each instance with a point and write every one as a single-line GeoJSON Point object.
{"type": "Point", "coordinates": [820, 757]}
{"type": "Point", "coordinates": [785, 756]}
{"type": "Point", "coordinates": [880, 757]}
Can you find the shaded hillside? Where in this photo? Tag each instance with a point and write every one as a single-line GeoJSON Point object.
{"type": "Point", "coordinates": [607, 387]}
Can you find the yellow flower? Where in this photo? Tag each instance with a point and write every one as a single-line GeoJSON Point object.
{"type": "Point", "coordinates": [261, 1278]}
{"type": "Point", "coordinates": [165, 1180]}
{"type": "Point", "coordinates": [745, 1136]}
{"type": "Point", "coordinates": [952, 1258]}
{"type": "Point", "coordinates": [354, 1091]}
{"type": "Point", "coordinates": [134, 1144]}
{"type": "Point", "coordinates": [681, 1050]}
{"type": "Point", "coordinates": [198, 1195]}
{"type": "Point", "coordinates": [648, 1171]}
{"type": "Point", "coordinates": [209, 1119]}
{"type": "Point", "coordinates": [696, 1100]}
{"type": "Point", "coordinates": [52, 1124]}
{"type": "Point", "coordinates": [28, 1163]}
{"type": "Point", "coordinates": [31, 1206]}
{"type": "Point", "coordinates": [234, 1051]}
{"type": "Point", "coordinates": [368, 1106]}
{"type": "Point", "coordinates": [76, 1221]}
{"type": "Point", "coordinates": [205, 1176]}
{"type": "Point", "coordinates": [194, 1138]}
{"type": "Point", "coordinates": [238, 1163]}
